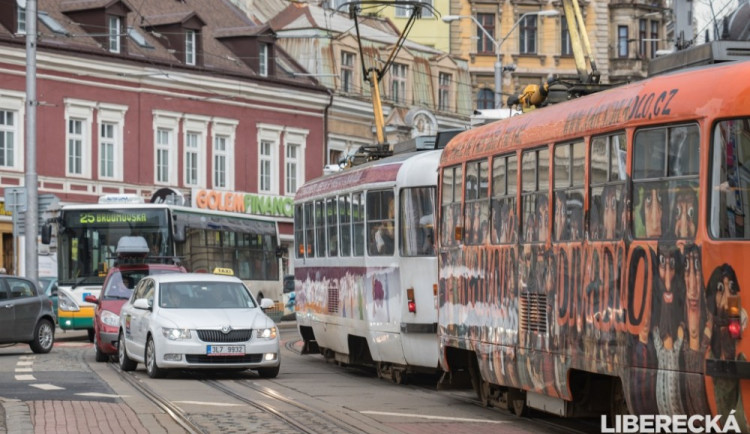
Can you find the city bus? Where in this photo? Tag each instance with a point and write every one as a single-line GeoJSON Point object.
{"type": "Point", "coordinates": [365, 265]}
{"type": "Point", "coordinates": [593, 253]}
{"type": "Point", "coordinates": [200, 240]}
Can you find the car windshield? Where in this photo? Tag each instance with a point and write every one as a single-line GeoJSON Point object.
{"type": "Point", "coordinates": [120, 284]}
{"type": "Point", "coordinates": [205, 295]}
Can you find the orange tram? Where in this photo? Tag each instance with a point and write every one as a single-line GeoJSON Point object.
{"type": "Point", "coordinates": [592, 254]}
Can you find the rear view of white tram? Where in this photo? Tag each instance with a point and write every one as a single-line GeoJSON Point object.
{"type": "Point", "coordinates": [365, 265]}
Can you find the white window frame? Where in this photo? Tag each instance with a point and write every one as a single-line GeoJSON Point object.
{"type": "Point", "coordinates": [169, 121]}
{"type": "Point", "coordinates": [112, 114]}
{"type": "Point", "coordinates": [83, 111]}
{"type": "Point", "coordinates": [195, 126]}
{"type": "Point", "coordinates": [405, 11]}
{"type": "Point", "coordinates": [272, 134]}
{"type": "Point", "coordinates": [347, 71]}
{"type": "Point", "coordinates": [21, 21]}
{"type": "Point", "coordinates": [263, 60]}
{"type": "Point", "coordinates": [399, 74]}
{"type": "Point", "coordinates": [226, 129]}
{"type": "Point", "coordinates": [190, 39]}
{"type": "Point", "coordinates": [294, 137]}
{"type": "Point", "coordinates": [15, 102]}
{"type": "Point", "coordinates": [114, 24]}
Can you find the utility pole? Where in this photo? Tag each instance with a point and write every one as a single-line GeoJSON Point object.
{"type": "Point", "coordinates": [32, 211]}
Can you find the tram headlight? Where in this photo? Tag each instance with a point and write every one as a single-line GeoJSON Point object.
{"type": "Point", "coordinates": [734, 314]}
{"type": "Point", "coordinates": [66, 303]}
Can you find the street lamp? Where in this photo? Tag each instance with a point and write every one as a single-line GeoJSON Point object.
{"type": "Point", "coordinates": [499, 43]}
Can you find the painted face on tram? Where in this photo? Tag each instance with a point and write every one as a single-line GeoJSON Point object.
{"type": "Point", "coordinates": [693, 280]}
{"type": "Point", "coordinates": [685, 212]}
{"type": "Point", "coordinates": [610, 214]}
{"type": "Point", "coordinates": [559, 217]}
{"type": "Point", "coordinates": [725, 289]}
{"type": "Point", "coordinates": [652, 213]}
{"type": "Point", "coordinates": [666, 272]}
{"type": "Point", "coordinates": [543, 222]}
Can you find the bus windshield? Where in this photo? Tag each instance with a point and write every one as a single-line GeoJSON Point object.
{"type": "Point", "coordinates": [88, 240]}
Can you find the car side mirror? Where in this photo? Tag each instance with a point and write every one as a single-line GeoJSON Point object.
{"type": "Point", "coordinates": [266, 303]}
{"type": "Point", "coordinates": [142, 303]}
{"type": "Point", "coordinates": [46, 234]}
{"type": "Point", "coordinates": [53, 290]}
{"type": "Point", "coordinates": [91, 299]}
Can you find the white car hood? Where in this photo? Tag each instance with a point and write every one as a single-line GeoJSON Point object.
{"type": "Point", "coordinates": [207, 319]}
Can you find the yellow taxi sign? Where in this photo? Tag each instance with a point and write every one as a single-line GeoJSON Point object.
{"type": "Point", "coordinates": [224, 271]}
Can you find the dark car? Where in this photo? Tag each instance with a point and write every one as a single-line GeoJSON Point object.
{"type": "Point", "coordinates": [48, 286]}
{"type": "Point", "coordinates": [25, 314]}
{"type": "Point", "coordinates": [117, 288]}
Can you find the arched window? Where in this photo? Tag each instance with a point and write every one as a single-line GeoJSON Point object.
{"type": "Point", "coordinates": [485, 99]}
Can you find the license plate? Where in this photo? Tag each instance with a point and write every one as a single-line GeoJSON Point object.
{"type": "Point", "coordinates": [225, 350]}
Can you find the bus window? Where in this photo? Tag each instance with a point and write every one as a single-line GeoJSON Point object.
{"type": "Point", "coordinates": [358, 223]}
{"type": "Point", "coordinates": [607, 187]}
{"type": "Point", "coordinates": [299, 232]}
{"type": "Point", "coordinates": [416, 221]}
{"type": "Point", "coordinates": [345, 226]}
{"type": "Point", "coordinates": [309, 230]}
{"type": "Point", "coordinates": [504, 199]}
{"type": "Point", "coordinates": [476, 218]}
{"type": "Point", "coordinates": [665, 182]}
{"type": "Point", "coordinates": [380, 223]}
{"type": "Point", "coordinates": [320, 228]}
{"type": "Point", "coordinates": [730, 179]}
{"type": "Point", "coordinates": [451, 203]}
{"type": "Point", "coordinates": [534, 197]}
{"type": "Point", "coordinates": [567, 223]}
{"type": "Point", "coordinates": [332, 226]}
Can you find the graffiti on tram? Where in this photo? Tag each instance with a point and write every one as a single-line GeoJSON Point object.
{"type": "Point", "coordinates": [613, 304]}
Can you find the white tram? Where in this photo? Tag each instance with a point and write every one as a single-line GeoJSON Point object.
{"type": "Point", "coordinates": [365, 265]}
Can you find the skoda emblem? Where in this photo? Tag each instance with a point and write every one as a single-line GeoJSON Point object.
{"type": "Point", "coordinates": [226, 329]}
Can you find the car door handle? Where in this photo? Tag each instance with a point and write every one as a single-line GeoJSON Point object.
{"type": "Point", "coordinates": [8, 306]}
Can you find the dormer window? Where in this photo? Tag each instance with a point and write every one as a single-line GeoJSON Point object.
{"type": "Point", "coordinates": [263, 57]}
{"type": "Point", "coordinates": [190, 47]}
{"type": "Point", "coordinates": [21, 23]}
{"type": "Point", "coordinates": [114, 27]}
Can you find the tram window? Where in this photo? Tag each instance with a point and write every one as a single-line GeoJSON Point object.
{"type": "Point", "coordinates": [451, 204]}
{"type": "Point", "coordinates": [380, 223]}
{"type": "Point", "coordinates": [730, 179]}
{"type": "Point", "coordinates": [534, 197]}
{"type": "Point", "coordinates": [607, 189]}
{"type": "Point", "coordinates": [332, 227]}
{"type": "Point", "coordinates": [320, 228]}
{"type": "Point", "coordinates": [567, 223]}
{"type": "Point", "coordinates": [665, 193]}
{"type": "Point", "coordinates": [358, 223]}
{"type": "Point", "coordinates": [309, 230]}
{"type": "Point", "coordinates": [345, 226]}
{"type": "Point", "coordinates": [504, 199]}
{"type": "Point", "coordinates": [476, 218]}
{"type": "Point", "coordinates": [416, 221]}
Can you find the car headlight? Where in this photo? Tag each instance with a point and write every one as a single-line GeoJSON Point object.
{"type": "Point", "coordinates": [64, 302]}
{"type": "Point", "coordinates": [175, 334]}
{"type": "Point", "coordinates": [110, 318]}
{"type": "Point", "coordinates": [269, 333]}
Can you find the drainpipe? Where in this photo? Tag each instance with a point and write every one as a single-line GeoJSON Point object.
{"type": "Point", "coordinates": [325, 126]}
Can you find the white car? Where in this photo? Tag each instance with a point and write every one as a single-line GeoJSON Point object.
{"type": "Point", "coordinates": [194, 321]}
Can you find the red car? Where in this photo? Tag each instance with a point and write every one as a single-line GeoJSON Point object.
{"type": "Point", "coordinates": [117, 288]}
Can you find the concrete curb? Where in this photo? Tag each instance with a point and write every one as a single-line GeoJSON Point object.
{"type": "Point", "coordinates": [17, 416]}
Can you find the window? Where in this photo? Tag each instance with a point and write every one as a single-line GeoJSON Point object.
{"type": "Point", "coordinates": [299, 231]}
{"type": "Point", "coordinates": [566, 49]}
{"type": "Point", "coordinates": [485, 43]}
{"type": "Point", "coordinates": [269, 137]}
{"type": "Point", "coordinates": [332, 226]}
{"type": "Point", "coordinates": [485, 99]}
{"type": "Point", "coordinates": [452, 186]}
{"type": "Point", "coordinates": [567, 222]}
{"type": "Point", "coordinates": [622, 42]}
{"type": "Point", "coordinates": [263, 60]}
{"type": "Point", "coordinates": [416, 220]}
{"type": "Point", "coordinates": [166, 125]}
{"type": "Point", "coordinates": [607, 187]}
{"type": "Point", "coordinates": [665, 182]}
{"type": "Point", "coordinates": [654, 38]}
{"type": "Point", "coordinates": [107, 146]}
{"type": "Point", "coordinates": [138, 38]}
{"type": "Point", "coordinates": [294, 158]}
{"type": "Point", "coordinates": [477, 209]}
{"type": "Point", "coordinates": [21, 23]}
{"type": "Point", "coordinates": [163, 147]}
{"type": "Point", "coordinates": [534, 195]}
{"type": "Point", "coordinates": [320, 228]}
{"type": "Point", "coordinates": [345, 226]}
{"type": "Point", "coordinates": [192, 146]}
{"type": "Point", "coordinates": [309, 217]}
{"type": "Point", "coordinates": [380, 223]}
{"type": "Point", "coordinates": [404, 11]}
{"type": "Point", "coordinates": [504, 188]}
{"type": "Point", "coordinates": [76, 137]}
{"type": "Point", "coordinates": [730, 179]}
{"type": "Point", "coordinates": [398, 82]}
{"type": "Point", "coordinates": [292, 166]}
{"type": "Point", "coordinates": [190, 47]}
{"type": "Point", "coordinates": [527, 37]}
{"type": "Point", "coordinates": [347, 71]}
{"type": "Point", "coordinates": [113, 23]}
{"type": "Point", "coordinates": [223, 131]}
{"type": "Point", "coordinates": [642, 36]}
{"type": "Point", "coordinates": [444, 91]}
{"type": "Point", "coordinates": [8, 134]}
{"type": "Point", "coordinates": [78, 117]}
{"type": "Point", "coordinates": [358, 223]}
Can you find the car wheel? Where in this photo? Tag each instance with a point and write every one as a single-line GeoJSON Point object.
{"type": "Point", "coordinates": [100, 356]}
{"type": "Point", "coordinates": [269, 372]}
{"type": "Point", "coordinates": [44, 337]}
{"type": "Point", "coordinates": [152, 369]}
{"type": "Point", "coordinates": [126, 363]}
{"type": "Point", "coordinates": [91, 334]}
